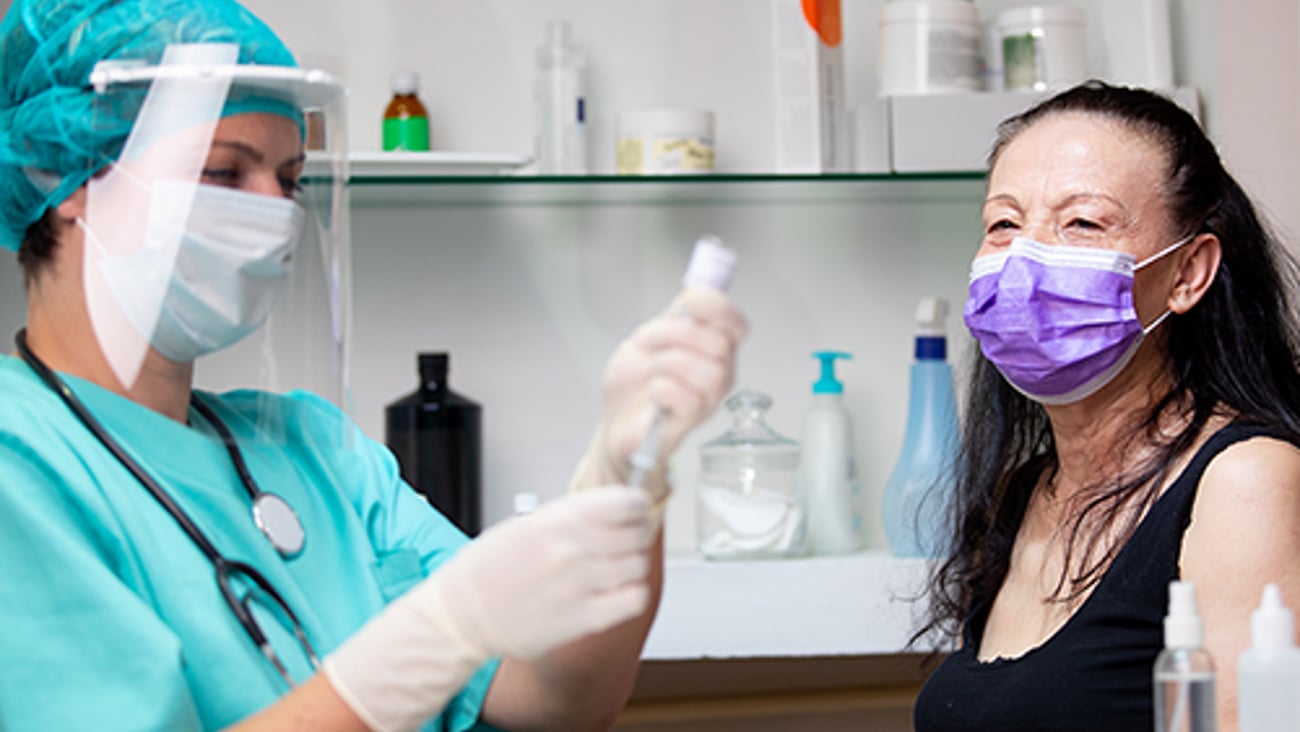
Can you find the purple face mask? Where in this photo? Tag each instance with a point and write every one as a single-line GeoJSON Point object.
{"type": "Point", "coordinates": [1057, 321]}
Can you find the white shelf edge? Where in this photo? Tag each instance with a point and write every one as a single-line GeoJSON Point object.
{"type": "Point", "coordinates": [861, 604]}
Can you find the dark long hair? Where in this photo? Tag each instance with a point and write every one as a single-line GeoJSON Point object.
{"type": "Point", "coordinates": [1235, 350]}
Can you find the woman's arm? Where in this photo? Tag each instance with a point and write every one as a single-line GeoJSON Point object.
{"type": "Point", "coordinates": [1245, 533]}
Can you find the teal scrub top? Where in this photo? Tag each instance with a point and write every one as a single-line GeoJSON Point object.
{"type": "Point", "coordinates": [108, 612]}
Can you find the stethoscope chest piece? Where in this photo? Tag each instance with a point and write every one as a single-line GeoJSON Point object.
{"type": "Point", "coordinates": [279, 523]}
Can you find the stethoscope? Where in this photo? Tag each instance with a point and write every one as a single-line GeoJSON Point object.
{"type": "Point", "coordinates": [272, 514]}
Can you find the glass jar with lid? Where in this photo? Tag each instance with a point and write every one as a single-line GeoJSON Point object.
{"type": "Point", "coordinates": [749, 504]}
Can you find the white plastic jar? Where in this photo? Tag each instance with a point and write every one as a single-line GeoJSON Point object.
{"type": "Point", "coordinates": [1043, 47]}
{"type": "Point", "coordinates": [929, 47]}
{"type": "Point", "coordinates": [665, 142]}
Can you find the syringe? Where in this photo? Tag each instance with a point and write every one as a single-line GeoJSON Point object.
{"type": "Point", "coordinates": [712, 265]}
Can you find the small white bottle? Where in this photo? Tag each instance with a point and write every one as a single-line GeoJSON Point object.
{"type": "Point", "coordinates": [1268, 672]}
{"type": "Point", "coordinates": [1184, 671]}
{"type": "Point", "coordinates": [561, 103]}
{"type": "Point", "coordinates": [826, 467]}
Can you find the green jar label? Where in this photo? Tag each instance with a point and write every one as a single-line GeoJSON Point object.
{"type": "Point", "coordinates": [410, 133]}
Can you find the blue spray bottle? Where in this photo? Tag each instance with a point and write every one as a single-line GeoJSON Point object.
{"type": "Point", "coordinates": [919, 490]}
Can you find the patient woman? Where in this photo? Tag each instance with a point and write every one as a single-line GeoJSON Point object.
{"type": "Point", "coordinates": [1133, 419]}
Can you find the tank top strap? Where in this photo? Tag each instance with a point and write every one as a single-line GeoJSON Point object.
{"type": "Point", "coordinates": [1182, 494]}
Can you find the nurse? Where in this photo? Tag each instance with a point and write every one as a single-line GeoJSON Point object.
{"type": "Point", "coordinates": [179, 558]}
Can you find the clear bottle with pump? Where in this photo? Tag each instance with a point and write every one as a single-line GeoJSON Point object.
{"type": "Point", "coordinates": [1184, 671]}
{"type": "Point", "coordinates": [406, 122]}
{"type": "Point", "coordinates": [561, 103]}
{"type": "Point", "coordinates": [1268, 672]}
{"type": "Point", "coordinates": [827, 469]}
{"type": "Point", "coordinates": [437, 437]}
{"type": "Point", "coordinates": [748, 500]}
{"type": "Point", "coordinates": [918, 493]}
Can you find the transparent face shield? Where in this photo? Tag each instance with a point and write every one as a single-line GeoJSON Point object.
{"type": "Point", "coordinates": [214, 238]}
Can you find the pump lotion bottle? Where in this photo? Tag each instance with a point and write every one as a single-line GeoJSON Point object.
{"type": "Point", "coordinates": [826, 466]}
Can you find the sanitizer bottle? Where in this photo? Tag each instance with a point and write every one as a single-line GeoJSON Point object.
{"type": "Point", "coordinates": [918, 493]}
{"type": "Point", "coordinates": [826, 467]}
{"type": "Point", "coordinates": [561, 104]}
{"type": "Point", "coordinates": [1184, 672]}
{"type": "Point", "coordinates": [1268, 672]}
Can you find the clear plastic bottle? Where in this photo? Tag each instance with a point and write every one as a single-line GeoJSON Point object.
{"type": "Point", "coordinates": [1184, 671]}
{"type": "Point", "coordinates": [748, 500]}
{"type": "Point", "coordinates": [1268, 672]}
{"type": "Point", "coordinates": [919, 490]}
{"type": "Point", "coordinates": [406, 122]}
{"type": "Point", "coordinates": [561, 102]}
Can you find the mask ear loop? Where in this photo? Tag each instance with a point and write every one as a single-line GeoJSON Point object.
{"type": "Point", "coordinates": [1146, 329]}
{"type": "Point", "coordinates": [1163, 252]}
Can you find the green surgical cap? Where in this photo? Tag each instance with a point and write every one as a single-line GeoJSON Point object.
{"type": "Point", "coordinates": [51, 140]}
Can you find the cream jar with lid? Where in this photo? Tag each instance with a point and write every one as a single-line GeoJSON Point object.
{"type": "Point", "coordinates": [1043, 47]}
{"type": "Point", "coordinates": [928, 47]}
{"type": "Point", "coordinates": [665, 142]}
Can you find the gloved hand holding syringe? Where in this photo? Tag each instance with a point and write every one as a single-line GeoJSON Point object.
{"type": "Point", "coordinates": [666, 378]}
{"type": "Point", "coordinates": [712, 266]}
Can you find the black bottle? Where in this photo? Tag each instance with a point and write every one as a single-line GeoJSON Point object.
{"type": "Point", "coordinates": [436, 435]}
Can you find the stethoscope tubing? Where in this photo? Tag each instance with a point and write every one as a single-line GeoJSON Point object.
{"type": "Point", "coordinates": [223, 566]}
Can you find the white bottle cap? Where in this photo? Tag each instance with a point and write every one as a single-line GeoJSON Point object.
{"type": "Point", "coordinates": [712, 265]}
{"type": "Point", "coordinates": [405, 82]}
{"type": "Point", "coordinates": [526, 503]}
{"type": "Point", "coordinates": [931, 315]}
{"type": "Point", "coordinates": [558, 33]}
{"type": "Point", "coordinates": [1183, 627]}
{"type": "Point", "coordinates": [1272, 625]}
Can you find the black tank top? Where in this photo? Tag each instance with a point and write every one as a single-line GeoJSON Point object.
{"type": "Point", "coordinates": [1094, 673]}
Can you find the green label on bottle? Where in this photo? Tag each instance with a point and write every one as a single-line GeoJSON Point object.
{"type": "Point", "coordinates": [410, 133]}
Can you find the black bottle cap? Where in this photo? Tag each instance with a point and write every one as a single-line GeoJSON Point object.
{"type": "Point", "coordinates": [433, 369]}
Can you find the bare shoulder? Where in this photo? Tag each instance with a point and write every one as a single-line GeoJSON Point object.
{"type": "Point", "coordinates": [1248, 504]}
{"type": "Point", "coordinates": [1257, 472]}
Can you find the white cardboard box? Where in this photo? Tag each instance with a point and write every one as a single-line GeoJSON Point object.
{"type": "Point", "coordinates": [954, 132]}
{"type": "Point", "coordinates": [808, 87]}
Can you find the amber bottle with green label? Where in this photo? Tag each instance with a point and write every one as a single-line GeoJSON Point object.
{"type": "Point", "coordinates": [406, 123]}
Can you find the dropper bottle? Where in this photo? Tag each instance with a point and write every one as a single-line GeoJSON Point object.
{"type": "Point", "coordinates": [1268, 672]}
{"type": "Point", "coordinates": [1184, 671]}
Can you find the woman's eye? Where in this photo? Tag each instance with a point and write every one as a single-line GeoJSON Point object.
{"type": "Point", "coordinates": [290, 186]}
{"type": "Point", "coordinates": [1000, 225]}
{"type": "Point", "coordinates": [221, 176]}
{"type": "Point", "coordinates": [1080, 223]}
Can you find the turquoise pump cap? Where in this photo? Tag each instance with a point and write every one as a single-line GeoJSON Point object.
{"type": "Point", "coordinates": [828, 384]}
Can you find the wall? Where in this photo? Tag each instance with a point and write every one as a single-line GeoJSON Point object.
{"type": "Point", "coordinates": [1259, 105]}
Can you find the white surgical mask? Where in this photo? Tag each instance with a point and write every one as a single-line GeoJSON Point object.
{"type": "Point", "coordinates": [209, 269]}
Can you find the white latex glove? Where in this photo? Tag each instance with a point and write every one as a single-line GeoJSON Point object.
{"type": "Point", "coordinates": [683, 360]}
{"type": "Point", "coordinates": [576, 566]}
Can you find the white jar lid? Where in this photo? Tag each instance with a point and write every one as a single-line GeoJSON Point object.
{"type": "Point", "coordinates": [694, 122]}
{"type": "Point", "coordinates": [1037, 15]}
{"type": "Point", "coordinates": [943, 11]}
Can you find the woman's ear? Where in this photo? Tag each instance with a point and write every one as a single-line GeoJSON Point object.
{"type": "Point", "coordinates": [73, 207]}
{"type": "Point", "coordinates": [1199, 265]}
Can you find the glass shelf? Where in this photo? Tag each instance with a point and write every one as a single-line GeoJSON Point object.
{"type": "Point", "coordinates": [740, 188]}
